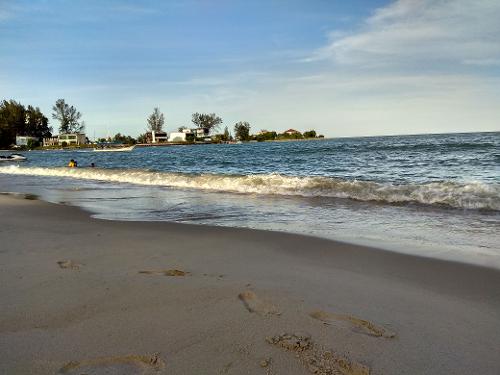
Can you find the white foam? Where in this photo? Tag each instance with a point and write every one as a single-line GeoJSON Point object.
{"type": "Point", "coordinates": [472, 195]}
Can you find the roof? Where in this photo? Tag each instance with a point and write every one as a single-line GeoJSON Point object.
{"type": "Point", "coordinates": [291, 131]}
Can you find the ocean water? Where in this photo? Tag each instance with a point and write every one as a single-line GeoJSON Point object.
{"type": "Point", "coordinates": [433, 195]}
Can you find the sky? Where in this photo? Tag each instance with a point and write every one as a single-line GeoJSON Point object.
{"type": "Point", "coordinates": [344, 68]}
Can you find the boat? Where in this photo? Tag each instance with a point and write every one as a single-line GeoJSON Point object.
{"type": "Point", "coordinates": [114, 149]}
{"type": "Point", "coordinates": [12, 157]}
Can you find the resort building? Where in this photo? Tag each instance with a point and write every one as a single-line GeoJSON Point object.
{"type": "Point", "coordinates": [51, 141]}
{"type": "Point", "coordinates": [189, 135]}
{"type": "Point", "coordinates": [74, 139]}
{"type": "Point", "coordinates": [201, 132]}
{"type": "Point", "coordinates": [22, 140]}
{"type": "Point", "coordinates": [156, 137]}
{"type": "Point", "coordinates": [178, 136]}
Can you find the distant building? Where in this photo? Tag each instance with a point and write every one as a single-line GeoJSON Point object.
{"type": "Point", "coordinates": [51, 141]}
{"type": "Point", "coordinates": [73, 139]}
{"type": "Point", "coordinates": [201, 132]}
{"type": "Point", "coordinates": [156, 137]}
{"type": "Point", "coordinates": [189, 135]}
{"type": "Point", "coordinates": [291, 132]}
{"type": "Point", "coordinates": [178, 136]}
{"type": "Point", "coordinates": [263, 131]}
{"type": "Point", "coordinates": [22, 140]}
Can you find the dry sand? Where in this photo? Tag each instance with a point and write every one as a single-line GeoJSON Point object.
{"type": "Point", "coordinates": [86, 296]}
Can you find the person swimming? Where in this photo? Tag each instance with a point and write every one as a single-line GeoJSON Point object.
{"type": "Point", "coordinates": [72, 164]}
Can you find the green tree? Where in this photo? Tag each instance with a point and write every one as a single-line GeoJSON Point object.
{"type": "Point", "coordinates": [156, 121]}
{"type": "Point", "coordinates": [141, 138]}
{"type": "Point", "coordinates": [15, 119]}
{"type": "Point", "coordinates": [296, 135]}
{"type": "Point", "coordinates": [310, 134]}
{"type": "Point", "coordinates": [68, 117]}
{"type": "Point", "coordinates": [267, 136]}
{"type": "Point", "coordinates": [125, 139]}
{"type": "Point", "coordinates": [30, 144]}
{"type": "Point", "coordinates": [12, 122]}
{"type": "Point", "coordinates": [242, 130]}
{"type": "Point", "coordinates": [36, 123]}
{"type": "Point", "coordinates": [209, 121]}
{"type": "Point", "coordinates": [226, 136]}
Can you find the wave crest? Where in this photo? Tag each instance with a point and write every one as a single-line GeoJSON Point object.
{"type": "Point", "coordinates": [473, 195]}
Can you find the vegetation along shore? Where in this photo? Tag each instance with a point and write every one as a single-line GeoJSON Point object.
{"type": "Point", "coordinates": [24, 127]}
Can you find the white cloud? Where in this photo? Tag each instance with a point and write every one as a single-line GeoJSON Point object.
{"type": "Point", "coordinates": [413, 66]}
{"type": "Point", "coordinates": [431, 68]}
{"type": "Point", "coordinates": [420, 32]}
{"type": "Point", "coordinates": [368, 104]}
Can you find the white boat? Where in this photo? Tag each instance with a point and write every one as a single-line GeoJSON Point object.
{"type": "Point", "coordinates": [114, 149]}
{"type": "Point", "coordinates": [12, 157]}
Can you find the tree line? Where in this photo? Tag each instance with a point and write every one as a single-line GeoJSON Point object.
{"type": "Point", "coordinates": [16, 119]}
{"type": "Point", "coordinates": [211, 122]}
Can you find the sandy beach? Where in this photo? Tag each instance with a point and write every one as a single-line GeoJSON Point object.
{"type": "Point", "coordinates": [86, 296]}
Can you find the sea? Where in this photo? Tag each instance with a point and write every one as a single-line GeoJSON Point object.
{"type": "Point", "coordinates": [430, 195]}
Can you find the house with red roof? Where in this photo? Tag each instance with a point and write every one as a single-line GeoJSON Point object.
{"type": "Point", "coordinates": [291, 132]}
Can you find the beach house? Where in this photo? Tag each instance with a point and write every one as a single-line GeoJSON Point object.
{"type": "Point", "coordinates": [23, 140]}
{"type": "Point", "coordinates": [291, 132]}
{"type": "Point", "coordinates": [51, 141]}
{"type": "Point", "coordinates": [181, 136]}
{"type": "Point", "coordinates": [189, 135]}
{"type": "Point", "coordinates": [202, 134]}
{"type": "Point", "coordinates": [156, 137]}
{"type": "Point", "coordinates": [72, 139]}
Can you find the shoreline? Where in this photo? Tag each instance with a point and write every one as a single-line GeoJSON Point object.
{"type": "Point", "coordinates": [83, 295]}
{"type": "Point", "coordinates": [384, 247]}
{"type": "Point", "coordinates": [431, 245]}
{"type": "Point", "coordinates": [421, 252]}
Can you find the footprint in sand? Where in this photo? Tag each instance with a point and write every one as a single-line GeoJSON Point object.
{"type": "Point", "coordinates": [165, 272]}
{"type": "Point", "coordinates": [364, 326]}
{"type": "Point", "coordinates": [316, 359]}
{"type": "Point", "coordinates": [68, 264]}
{"type": "Point", "coordinates": [256, 305]}
{"type": "Point", "coordinates": [130, 364]}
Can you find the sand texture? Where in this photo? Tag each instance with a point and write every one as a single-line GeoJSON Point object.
{"type": "Point", "coordinates": [85, 296]}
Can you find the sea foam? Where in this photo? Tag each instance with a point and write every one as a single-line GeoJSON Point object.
{"type": "Point", "coordinates": [471, 195]}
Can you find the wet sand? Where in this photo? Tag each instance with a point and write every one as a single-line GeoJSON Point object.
{"type": "Point", "coordinates": [86, 296]}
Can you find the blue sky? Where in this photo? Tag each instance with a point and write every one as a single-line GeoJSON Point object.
{"type": "Point", "coordinates": [345, 68]}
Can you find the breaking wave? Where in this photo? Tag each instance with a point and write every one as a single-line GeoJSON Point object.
{"type": "Point", "coordinates": [473, 195]}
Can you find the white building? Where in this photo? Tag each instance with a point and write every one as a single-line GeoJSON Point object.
{"type": "Point", "coordinates": [184, 135]}
{"type": "Point", "coordinates": [156, 137]}
{"type": "Point", "coordinates": [72, 139]}
{"type": "Point", "coordinates": [51, 141]}
{"type": "Point", "coordinates": [201, 132]}
{"type": "Point", "coordinates": [22, 140]}
{"type": "Point", "coordinates": [177, 137]}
